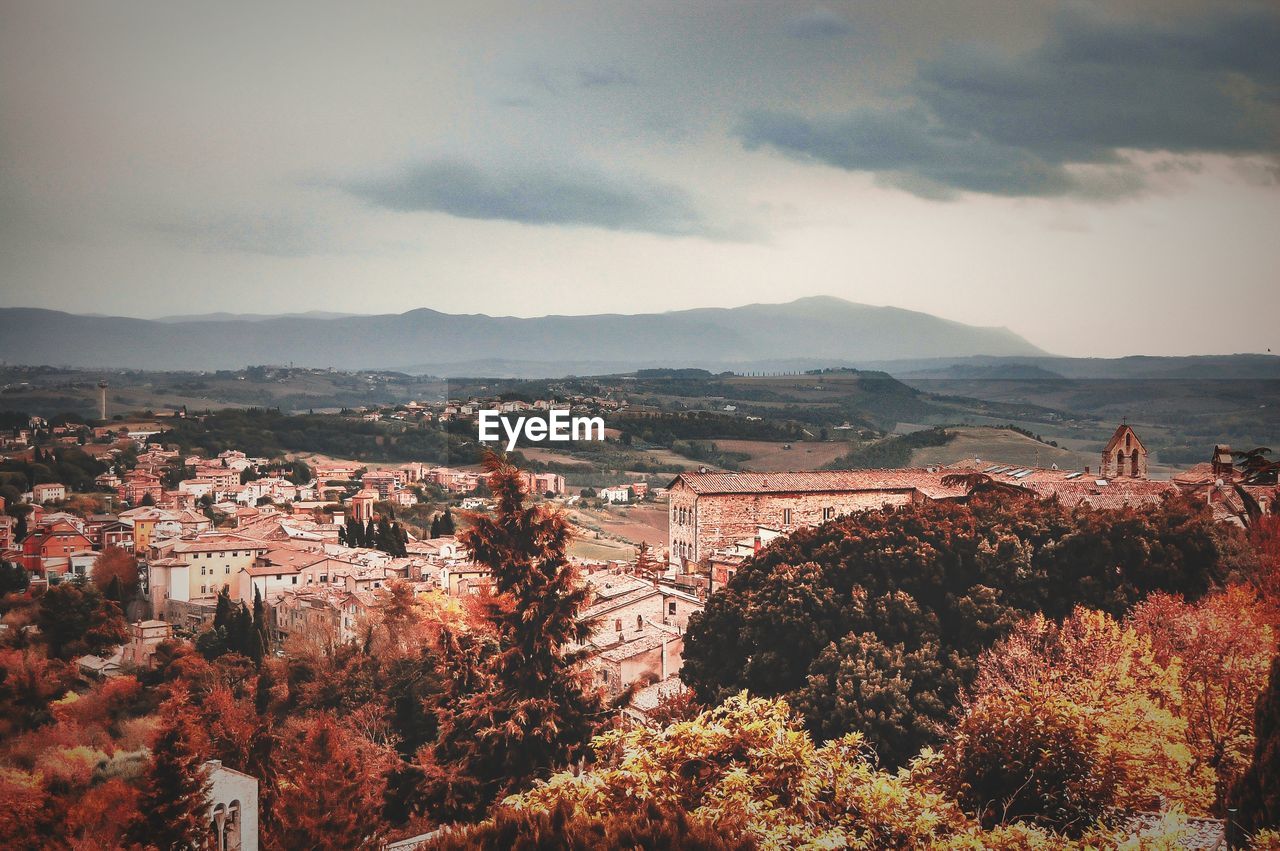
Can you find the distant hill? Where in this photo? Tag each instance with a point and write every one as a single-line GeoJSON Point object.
{"type": "Point", "coordinates": [819, 330]}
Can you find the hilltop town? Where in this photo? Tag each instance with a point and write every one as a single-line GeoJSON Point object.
{"type": "Point", "coordinates": [316, 551]}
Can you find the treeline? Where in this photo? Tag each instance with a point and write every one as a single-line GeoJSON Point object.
{"type": "Point", "coordinates": [666, 428]}
{"type": "Point", "coordinates": [68, 465]}
{"type": "Point", "coordinates": [270, 433]}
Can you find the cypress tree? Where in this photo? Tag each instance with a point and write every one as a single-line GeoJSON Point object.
{"type": "Point", "coordinates": [223, 610]}
{"type": "Point", "coordinates": [384, 541]}
{"type": "Point", "coordinates": [532, 712]}
{"type": "Point", "coordinates": [174, 799]}
{"type": "Point", "coordinates": [260, 636]}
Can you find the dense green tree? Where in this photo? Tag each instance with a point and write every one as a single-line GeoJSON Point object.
{"type": "Point", "coordinates": [874, 622]}
{"type": "Point", "coordinates": [13, 578]}
{"type": "Point", "coordinates": [76, 619]}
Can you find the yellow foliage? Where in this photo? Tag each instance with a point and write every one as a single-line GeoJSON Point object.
{"type": "Point", "coordinates": [747, 767]}
{"type": "Point", "coordinates": [1111, 673]}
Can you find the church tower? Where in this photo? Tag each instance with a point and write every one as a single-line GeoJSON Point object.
{"type": "Point", "coordinates": [1125, 457]}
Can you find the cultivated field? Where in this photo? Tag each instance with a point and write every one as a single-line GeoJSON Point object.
{"type": "Point", "coordinates": [769, 456]}
{"type": "Point", "coordinates": [1000, 446]}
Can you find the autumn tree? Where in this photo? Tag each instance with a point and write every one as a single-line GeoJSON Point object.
{"type": "Point", "coordinates": [1029, 757]}
{"type": "Point", "coordinates": [648, 826]}
{"type": "Point", "coordinates": [1222, 648]}
{"type": "Point", "coordinates": [1111, 674]}
{"type": "Point", "coordinates": [531, 710]}
{"type": "Point", "coordinates": [748, 769]}
{"type": "Point", "coordinates": [328, 789]}
{"type": "Point", "coordinates": [646, 566]}
{"type": "Point", "coordinates": [1256, 795]}
{"type": "Point", "coordinates": [118, 564]}
{"type": "Point", "coordinates": [174, 799]}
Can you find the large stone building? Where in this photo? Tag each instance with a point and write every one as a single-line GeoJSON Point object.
{"type": "Point", "coordinates": [709, 511]}
{"type": "Point", "coordinates": [714, 513]}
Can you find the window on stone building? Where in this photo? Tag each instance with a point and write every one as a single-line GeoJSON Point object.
{"type": "Point", "coordinates": [617, 625]}
{"type": "Point", "coordinates": [671, 607]}
{"type": "Point", "coordinates": [786, 517]}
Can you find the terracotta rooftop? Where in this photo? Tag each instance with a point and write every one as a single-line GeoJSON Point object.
{"type": "Point", "coordinates": [927, 481]}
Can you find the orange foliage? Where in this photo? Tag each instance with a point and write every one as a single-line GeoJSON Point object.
{"type": "Point", "coordinates": [1223, 646]}
{"type": "Point", "coordinates": [115, 563]}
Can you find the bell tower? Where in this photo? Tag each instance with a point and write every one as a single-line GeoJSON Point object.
{"type": "Point", "coordinates": [1125, 457]}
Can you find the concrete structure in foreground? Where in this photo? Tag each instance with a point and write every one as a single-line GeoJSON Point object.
{"type": "Point", "coordinates": [233, 808]}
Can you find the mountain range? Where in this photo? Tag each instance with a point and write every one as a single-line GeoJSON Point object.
{"type": "Point", "coordinates": [816, 331]}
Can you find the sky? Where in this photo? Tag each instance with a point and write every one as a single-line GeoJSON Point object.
{"type": "Point", "coordinates": [1103, 179]}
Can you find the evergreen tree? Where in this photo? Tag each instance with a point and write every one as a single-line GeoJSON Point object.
{"type": "Point", "coordinates": [1256, 796]}
{"type": "Point", "coordinates": [370, 534]}
{"type": "Point", "coordinates": [531, 711]}
{"type": "Point", "coordinates": [223, 610]}
{"type": "Point", "coordinates": [327, 797]}
{"type": "Point", "coordinates": [174, 800]}
{"type": "Point", "coordinates": [446, 523]}
{"type": "Point", "coordinates": [75, 619]}
{"type": "Point", "coordinates": [646, 566]}
{"type": "Point", "coordinates": [355, 533]}
{"type": "Point", "coordinates": [115, 591]}
{"type": "Point", "coordinates": [260, 634]}
{"type": "Point", "coordinates": [13, 578]}
{"type": "Point", "coordinates": [435, 526]}
{"type": "Point", "coordinates": [384, 540]}
{"type": "Point", "coordinates": [241, 637]}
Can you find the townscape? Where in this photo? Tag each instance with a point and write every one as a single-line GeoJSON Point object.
{"type": "Point", "coordinates": [640, 426]}
{"type": "Point", "coordinates": [196, 576]}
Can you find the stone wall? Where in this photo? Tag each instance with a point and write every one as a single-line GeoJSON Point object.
{"type": "Point", "coordinates": [718, 521]}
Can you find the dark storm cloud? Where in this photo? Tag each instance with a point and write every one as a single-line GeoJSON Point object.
{"type": "Point", "coordinates": [984, 122]}
{"type": "Point", "coordinates": [818, 23]}
{"type": "Point", "coordinates": [537, 196]}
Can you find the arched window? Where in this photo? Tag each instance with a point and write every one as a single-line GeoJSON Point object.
{"type": "Point", "coordinates": [1119, 464]}
{"type": "Point", "coordinates": [1133, 464]}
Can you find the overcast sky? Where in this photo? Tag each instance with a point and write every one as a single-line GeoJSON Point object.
{"type": "Point", "coordinates": [1102, 179]}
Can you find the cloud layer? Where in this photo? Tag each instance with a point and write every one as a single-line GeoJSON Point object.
{"type": "Point", "coordinates": [979, 121]}
{"type": "Point", "coordinates": [536, 196]}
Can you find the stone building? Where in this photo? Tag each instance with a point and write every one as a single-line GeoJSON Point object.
{"type": "Point", "coordinates": [1124, 456]}
{"type": "Point", "coordinates": [710, 511]}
